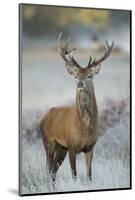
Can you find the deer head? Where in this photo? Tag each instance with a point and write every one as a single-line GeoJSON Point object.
{"type": "Point", "coordinates": [82, 75]}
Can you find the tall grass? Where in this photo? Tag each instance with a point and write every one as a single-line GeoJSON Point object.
{"type": "Point", "coordinates": [111, 161]}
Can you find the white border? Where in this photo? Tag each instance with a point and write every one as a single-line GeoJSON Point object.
{"type": "Point", "coordinates": [9, 97]}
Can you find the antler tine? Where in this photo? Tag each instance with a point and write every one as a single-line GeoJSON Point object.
{"type": "Point", "coordinates": [73, 60]}
{"type": "Point", "coordinates": [90, 59]}
{"type": "Point", "coordinates": [107, 43]}
{"type": "Point", "coordinates": [106, 55]}
{"type": "Point", "coordinates": [66, 45]}
{"type": "Point", "coordinates": [64, 51]}
{"type": "Point", "coordinates": [59, 41]}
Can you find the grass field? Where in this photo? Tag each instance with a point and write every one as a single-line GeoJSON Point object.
{"type": "Point", "coordinates": [111, 162]}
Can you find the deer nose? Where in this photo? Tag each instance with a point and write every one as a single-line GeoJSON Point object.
{"type": "Point", "coordinates": [80, 84]}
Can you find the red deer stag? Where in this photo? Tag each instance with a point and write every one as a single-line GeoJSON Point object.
{"type": "Point", "coordinates": [73, 129]}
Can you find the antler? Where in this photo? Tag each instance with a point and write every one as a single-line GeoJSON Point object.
{"type": "Point", "coordinates": [66, 54]}
{"type": "Point", "coordinates": [106, 55]}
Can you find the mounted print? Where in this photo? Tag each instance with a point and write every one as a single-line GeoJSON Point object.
{"type": "Point", "coordinates": [74, 80]}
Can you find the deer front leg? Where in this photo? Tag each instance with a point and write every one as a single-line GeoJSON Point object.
{"type": "Point", "coordinates": [72, 159]}
{"type": "Point", "coordinates": [88, 157]}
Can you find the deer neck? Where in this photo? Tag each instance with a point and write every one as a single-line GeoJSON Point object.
{"type": "Point", "coordinates": [86, 108]}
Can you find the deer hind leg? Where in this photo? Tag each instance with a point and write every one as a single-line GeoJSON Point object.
{"type": "Point", "coordinates": [59, 156]}
{"type": "Point", "coordinates": [88, 157]}
{"type": "Point", "coordinates": [50, 151]}
{"type": "Point", "coordinates": [72, 159]}
{"type": "Point", "coordinates": [55, 157]}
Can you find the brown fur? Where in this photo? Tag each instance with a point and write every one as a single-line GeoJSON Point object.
{"type": "Point", "coordinates": [71, 129]}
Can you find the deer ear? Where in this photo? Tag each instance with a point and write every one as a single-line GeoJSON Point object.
{"type": "Point", "coordinates": [71, 70]}
{"type": "Point", "coordinates": [95, 69]}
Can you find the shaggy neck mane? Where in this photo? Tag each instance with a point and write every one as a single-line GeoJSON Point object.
{"type": "Point", "coordinates": [86, 109]}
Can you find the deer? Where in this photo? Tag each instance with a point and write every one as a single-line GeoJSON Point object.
{"type": "Point", "coordinates": [73, 129]}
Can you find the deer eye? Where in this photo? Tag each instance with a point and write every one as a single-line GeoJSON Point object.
{"type": "Point", "coordinates": [89, 76]}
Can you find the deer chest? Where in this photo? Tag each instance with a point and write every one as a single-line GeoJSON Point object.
{"type": "Point", "coordinates": [83, 144]}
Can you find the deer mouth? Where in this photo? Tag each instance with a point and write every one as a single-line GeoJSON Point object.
{"type": "Point", "coordinates": [80, 88]}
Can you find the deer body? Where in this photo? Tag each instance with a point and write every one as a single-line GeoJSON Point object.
{"type": "Point", "coordinates": [77, 124]}
{"type": "Point", "coordinates": [73, 128]}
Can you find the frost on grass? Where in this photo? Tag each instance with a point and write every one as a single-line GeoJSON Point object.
{"type": "Point", "coordinates": [111, 161]}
